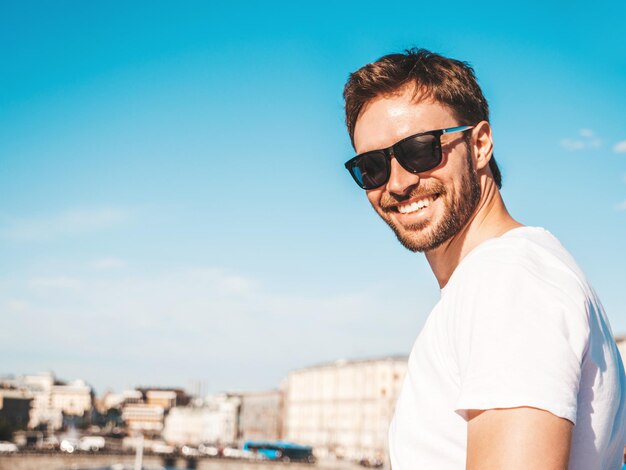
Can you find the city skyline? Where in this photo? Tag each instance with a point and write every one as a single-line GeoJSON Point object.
{"type": "Point", "coordinates": [174, 203]}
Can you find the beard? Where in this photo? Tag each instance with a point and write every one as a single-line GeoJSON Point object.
{"type": "Point", "coordinates": [458, 209]}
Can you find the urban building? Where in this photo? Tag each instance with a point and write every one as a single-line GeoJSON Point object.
{"type": "Point", "coordinates": [165, 397]}
{"type": "Point", "coordinates": [188, 426]}
{"type": "Point", "coordinates": [260, 416]}
{"type": "Point", "coordinates": [144, 418]}
{"type": "Point", "coordinates": [15, 407]}
{"type": "Point", "coordinates": [39, 388]}
{"type": "Point", "coordinates": [109, 401]}
{"type": "Point", "coordinates": [131, 396]}
{"type": "Point", "coordinates": [42, 414]}
{"type": "Point", "coordinates": [214, 422]}
{"type": "Point", "coordinates": [224, 425]}
{"type": "Point", "coordinates": [344, 408]}
{"type": "Point", "coordinates": [53, 400]}
{"type": "Point", "coordinates": [74, 398]}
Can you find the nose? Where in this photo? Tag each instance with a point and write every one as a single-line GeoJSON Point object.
{"type": "Point", "coordinates": [401, 182]}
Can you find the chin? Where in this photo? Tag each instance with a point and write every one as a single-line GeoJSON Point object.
{"type": "Point", "coordinates": [419, 245]}
{"type": "Point", "coordinates": [416, 240]}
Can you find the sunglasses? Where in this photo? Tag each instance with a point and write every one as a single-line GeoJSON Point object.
{"type": "Point", "coordinates": [416, 153]}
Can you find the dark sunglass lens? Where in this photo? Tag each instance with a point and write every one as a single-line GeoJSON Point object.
{"type": "Point", "coordinates": [419, 153]}
{"type": "Point", "coordinates": [370, 170]}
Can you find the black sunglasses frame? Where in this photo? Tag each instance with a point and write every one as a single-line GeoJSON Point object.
{"type": "Point", "coordinates": [396, 150]}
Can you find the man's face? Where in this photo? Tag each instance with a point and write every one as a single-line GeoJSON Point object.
{"type": "Point", "coordinates": [426, 209]}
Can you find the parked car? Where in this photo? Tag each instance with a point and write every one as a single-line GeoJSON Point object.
{"type": "Point", "coordinates": [7, 447]}
{"type": "Point", "coordinates": [189, 451]}
{"type": "Point", "coordinates": [50, 443]}
{"type": "Point", "coordinates": [209, 450]}
{"type": "Point", "coordinates": [234, 453]}
{"type": "Point", "coordinates": [162, 448]}
{"type": "Point", "coordinates": [371, 462]}
{"type": "Point", "coordinates": [91, 443]}
{"type": "Point", "coordinates": [280, 450]}
{"type": "Point", "coordinates": [69, 445]}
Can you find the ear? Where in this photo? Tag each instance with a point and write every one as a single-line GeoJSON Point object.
{"type": "Point", "coordinates": [483, 144]}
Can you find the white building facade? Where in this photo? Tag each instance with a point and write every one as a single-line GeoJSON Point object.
{"type": "Point", "coordinates": [74, 398]}
{"type": "Point", "coordinates": [42, 412]}
{"type": "Point", "coordinates": [51, 399]}
{"type": "Point", "coordinates": [215, 422]}
{"type": "Point", "coordinates": [344, 408]}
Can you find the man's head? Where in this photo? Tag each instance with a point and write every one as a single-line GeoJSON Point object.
{"type": "Point", "coordinates": [401, 95]}
{"type": "Point", "coordinates": [432, 76]}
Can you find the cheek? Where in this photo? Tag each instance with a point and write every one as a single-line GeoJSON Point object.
{"type": "Point", "coordinates": [374, 196]}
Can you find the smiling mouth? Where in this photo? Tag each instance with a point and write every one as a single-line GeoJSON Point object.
{"type": "Point", "coordinates": [415, 206]}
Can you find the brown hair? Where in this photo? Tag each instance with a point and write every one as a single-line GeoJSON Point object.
{"type": "Point", "coordinates": [447, 81]}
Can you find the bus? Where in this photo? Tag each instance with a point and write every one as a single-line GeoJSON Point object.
{"type": "Point", "coordinates": [280, 450]}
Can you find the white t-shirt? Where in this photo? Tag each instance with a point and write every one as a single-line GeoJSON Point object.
{"type": "Point", "coordinates": [516, 325]}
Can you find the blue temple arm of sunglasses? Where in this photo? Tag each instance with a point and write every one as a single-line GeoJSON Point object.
{"type": "Point", "coordinates": [449, 130]}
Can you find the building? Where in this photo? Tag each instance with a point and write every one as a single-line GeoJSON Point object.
{"type": "Point", "coordinates": [214, 422]}
{"type": "Point", "coordinates": [344, 408]}
{"type": "Point", "coordinates": [15, 407]}
{"type": "Point", "coordinates": [41, 414]}
{"type": "Point", "coordinates": [73, 399]}
{"type": "Point", "coordinates": [224, 424]}
{"type": "Point", "coordinates": [165, 397]}
{"type": "Point", "coordinates": [260, 416]}
{"type": "Point", "coordinates": [53, 400]}
{"type": "Point", "coordinates": [187, 426]}
{"type": "Point", "coordinates": [223, 427]}
{"type": "Point", "coordinates": [38, 387]}
{"type": "Point", "coordinates": [130, 397]}
{"type": "Point", "coordinates": [144, 418]}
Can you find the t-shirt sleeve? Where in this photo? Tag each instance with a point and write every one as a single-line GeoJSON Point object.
{"type": "Point", "coordinates": [521, 332]}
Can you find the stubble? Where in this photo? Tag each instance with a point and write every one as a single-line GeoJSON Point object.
{"type": "Point", "coordinates": [458, 209]}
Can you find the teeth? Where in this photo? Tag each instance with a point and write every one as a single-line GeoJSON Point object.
{"type": "Point", "coordinates": [414, 206]}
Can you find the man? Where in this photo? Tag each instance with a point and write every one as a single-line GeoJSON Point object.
{"type": "Point", "coordinates": [516, 366]}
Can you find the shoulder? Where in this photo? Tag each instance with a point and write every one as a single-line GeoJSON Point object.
{"type": "Point", "coordinates": [528, 258]}
{"type": "Point", "coordinates": [523, 282]}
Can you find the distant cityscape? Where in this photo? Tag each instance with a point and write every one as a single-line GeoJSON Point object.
{"type": "Point", "coordinates": [339, 411]}
{"type": "Point", "coordinates": [342, 410]}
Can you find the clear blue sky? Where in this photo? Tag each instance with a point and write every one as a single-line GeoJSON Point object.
{"type": "Point", "coordinates": [173, 202]}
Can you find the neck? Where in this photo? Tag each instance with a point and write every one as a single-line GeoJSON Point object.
{"type": "Point", "coordinates": [490, 219]}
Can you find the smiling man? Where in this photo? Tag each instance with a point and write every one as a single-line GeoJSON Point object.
{"type": "Point", "coordinates": [516, 366]}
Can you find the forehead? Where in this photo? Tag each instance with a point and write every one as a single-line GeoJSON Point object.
{"type": "Point", "coordinates": [387, 119]}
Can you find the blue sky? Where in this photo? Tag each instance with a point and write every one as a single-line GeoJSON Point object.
{"type": "Point", "coordinates": [173, 202]}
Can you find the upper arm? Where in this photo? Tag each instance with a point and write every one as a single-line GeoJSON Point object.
{"type": "Point", "coordinates": [517, 438]}
{"type": "Point", "coordinates": [520, 342]}
{"type": "Point", "coordinates": [520, 338]}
